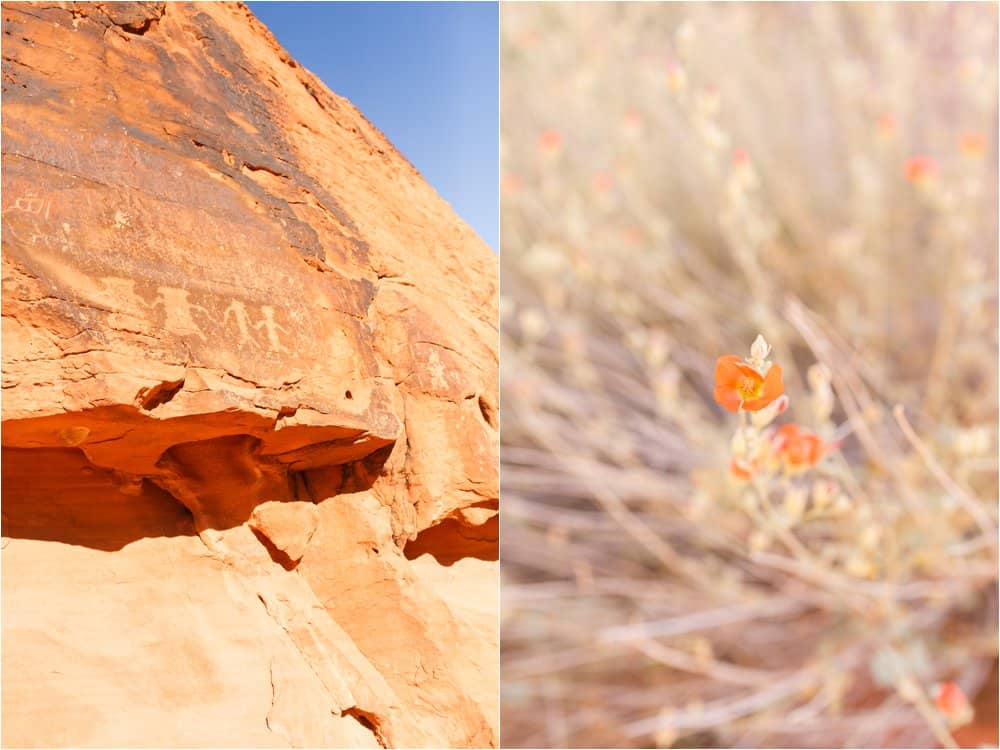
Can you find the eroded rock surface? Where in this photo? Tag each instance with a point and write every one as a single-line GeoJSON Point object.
{"type": "Point", "coordinates": [249, 402]}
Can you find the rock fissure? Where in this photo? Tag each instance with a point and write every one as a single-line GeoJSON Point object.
{"type": "Point", "coordinates": [368, 721]}
{"type": "Point", "coordinates": [262, 168]}
{"type": "Point", "coordinates": [274, 695]}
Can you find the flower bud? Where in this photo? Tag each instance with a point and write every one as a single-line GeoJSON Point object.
{"type": "Point", "coordinates": [765, 416]}
{"type": "Point", "coordinates": [759, 541]}
{"type": "Point", "coordinates": [666, 736]}
{"type": "Point", "coordinates": [887, 126]}
{"type": "Point", "coordinates": [908, 689]}
{"type": "Point", "coordinates": [709, 101]}
{"type": "Point", "coordinates": [822, 395]}
{"type": "Point", "coordinates": [953, 705]}
{"type": "Point", "coordinates": [795, 503]}
{"type": "Point", "coordinates": [760, 348]}
{"type": "Point", "coordinates": [701, 649]}
{"type": "Point", "coordinates": [823, 493]}
{"type": "Point", "coordinates": [818, 376]}
{"type": "Point", "coordinates": [550, 142]}
{"type": "Point", "coordinates": [713, 136]}
{"type": "Point", "coordinates": [842, 504]}
{"type": "Point", "coordinates": [533, 324]}
{"type": "Point", "coordinates": [973, 441]}
{"type": "Point", "coordinates": [859, 566]}
{"type": "Point", "coordinates": [666, 385]}
{"type": "Point", "coordinates": [741, 470]}
{"type": "Point", "coordinates": [675, 76]}
{"type": "Point", "coordinates": [972, 145]}
{"type": "Point", "coordinates": [869, 538]}
{"type": "Point", "coordinates": [632, 122]}
{"type": "Point", "coordinates": [920, 170]}
{"type": "Point", "coordinates": [657, 348]}
{"type": "Point", "coordinates": [685, 36]}
{"type": "Point", "coordinates": [744, 176]}
{"type": "Point", "coordinates": [822, 405]}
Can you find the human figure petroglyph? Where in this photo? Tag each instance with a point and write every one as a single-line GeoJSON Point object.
{"type": "Point", "coordinates": [178, 309]}
{"type": "Point", "coordinates": [239, 312]}
{"type": "Point", "coordinates": [437, 370]}
{"type": "Point", "coordinates": [121, 294]}
{"type": "Point", "coordinates": [127, 295]}
{"type": "Point", "coordinates": [48, 240]}
{"type": "Point", "coordinates": [272, 327]}
{"type": "Point", "coordinates": [246, 327]}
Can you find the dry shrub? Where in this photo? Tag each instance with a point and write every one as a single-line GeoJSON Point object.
{"type": "Point", "coordinates": [678, 178]}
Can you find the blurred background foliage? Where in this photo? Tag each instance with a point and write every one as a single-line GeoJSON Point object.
{"type": "Point", "coordinates": [677, 178]}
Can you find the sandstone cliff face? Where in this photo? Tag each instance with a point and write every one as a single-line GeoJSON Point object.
{"type": "Point", "coordinates": [249, 402]}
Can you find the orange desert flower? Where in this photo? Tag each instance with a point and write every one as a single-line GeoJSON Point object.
{"type": "Point", "coordinates": [953, 704]}
{"type": "Point", "coordinates": [799, 449]}
{"type": "Point", "coordinates": [739, 386]}
{"type": "Point", "coordinates": [743, 172]}
{"type": "Point", "coordinates": [511, 183]}
{"type": "Point", "coordinates": [675, 75]}
{"type": "Point", "coordinates": [972, 144]}
{"type": "Point", "coordinates": [742, 470]}
{"type": "Point", "coordinates": [887, 126]}
{"type": "Point", "coordinates": [550, 141]}
{"type": "Point", "coordinates": [920, 169]}
{"type": "Point", "coordinates": [603, 182]}
{"type": "Point", "coordinates": [633, 121]}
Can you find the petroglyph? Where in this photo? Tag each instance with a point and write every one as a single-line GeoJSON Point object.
{"type": "Point", "coordinates": [47, 240]}
{"type": "Point", "coordinates": [122, 294]}
{"type": "Point", "coordinates": [272, 328]}
{"type": "Point", "coordinates": [36, 208]}
{"type": "Point", "coordinates": [31, 203]}
{"type": "Point", "coordinates": [246, 326]}
{"type": "Point", "coordinates": [51, 251]}
{"type": "Point", "coordinates": [239, 312]}
{"type": "Point", "coordinates": [437, 370]}
{"type": "Point", "coordinates": [177, 309]}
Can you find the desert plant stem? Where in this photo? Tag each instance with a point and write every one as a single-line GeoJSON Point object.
{"type": "Point", "coordinates": [973, 508]}
{"type": "Point", "coordinates": [911, 691]}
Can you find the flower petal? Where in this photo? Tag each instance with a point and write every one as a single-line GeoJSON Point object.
{"type": "Point", "coordinates": [727, 371]}
{"type": "Point", "coordinates": [816, 449]}
{"type": "Point", "coordinates": [728, 398]}
{"type": "Point", "coordinates": [741, 470]}
{"type": "Point", "coordinates": [773, 384]}
{"type": "Point", "coordinates": [771, 388]}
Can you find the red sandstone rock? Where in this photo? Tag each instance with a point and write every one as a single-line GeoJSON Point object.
{"type": "Point", "coordinates": [287, 527]}
{"type": "Point", "coordinates": [249, 402]}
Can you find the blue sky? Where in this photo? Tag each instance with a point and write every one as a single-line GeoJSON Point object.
{"type": "Point", "coordinates": [425, 74]}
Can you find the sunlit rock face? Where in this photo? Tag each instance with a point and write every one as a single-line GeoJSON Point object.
{"type": "Point", "coordinates": [249, 402]}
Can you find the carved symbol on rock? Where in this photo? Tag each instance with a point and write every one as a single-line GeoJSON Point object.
{"type": "Point", "coordinates": [437, 370]}
{"type": "Point", "coordinates": [272, 328]}
{"type": "Point", "coordinates": [178, 311]}
{"type": "Point", "coordinates": [239, 312]}
{"type": "Point", "coordinates": [31, 203]}
{"type": "Point", "coordinates": [120, 294]}
{"type": "Point", "coordinates": [243, 321]}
